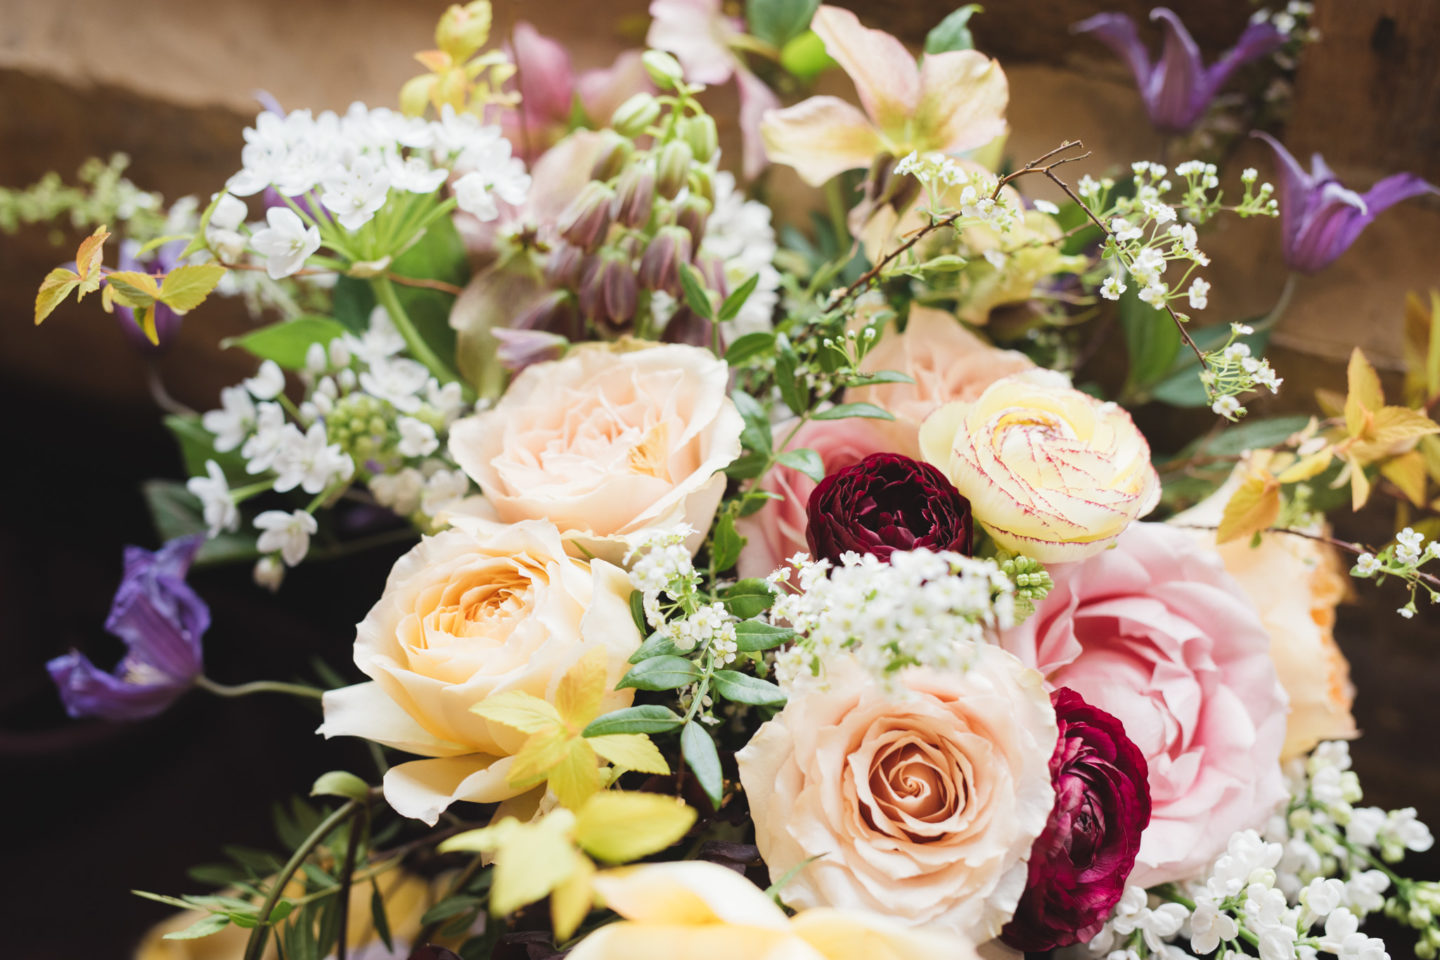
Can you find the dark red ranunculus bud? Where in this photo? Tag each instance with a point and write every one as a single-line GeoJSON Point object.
{"type": "Point", "coordinates": [885, 503]}
{"type": "Point", "coordinates": [1079, 863]}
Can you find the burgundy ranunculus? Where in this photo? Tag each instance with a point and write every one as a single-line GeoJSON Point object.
{"type": "Point", "coordinates": [885, 503]}
{"type": "Point", "coordinates": [1079, 864]}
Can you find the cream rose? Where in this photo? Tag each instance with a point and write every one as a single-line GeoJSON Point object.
{"type": "Point", "coordinates": [611, 441]}
{"type": "Point", "coordinates": [696, 910]}
{"type": "Point", "coordinates": [472, 612]}
{"type": "Point", "coordinates": [1049, 471]}
{"type": "Point", "coordinates": [947, 363]}
{"type": "Point", "coordinates": [1296, 584]}
{"type": "Point", "coordinates": [921, 806]}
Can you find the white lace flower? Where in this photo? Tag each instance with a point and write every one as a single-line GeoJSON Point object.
{"type": "Point", "coordinates": [396, 380]}
{"type": "Point", "coordinates": [354, 192]}
{"type": "Point", "coordinates": [232, 423]}
{"type": "Point", "coordinates": [216, 504]}
{"type": "Point", "coordinates": [286, 243]}
{"type": "Point", "coordinates": [264, 444]}
{"type": "Point", "coordinates": [309, 461]}
{"type": "Point", "coordinates": [417, 438]}
{"type": "Point", "coordinates": [494, 173]}
{"type": "Point", "coordinates": [287, 533]}
{"type": "Point", "coordinates": [268, 383]}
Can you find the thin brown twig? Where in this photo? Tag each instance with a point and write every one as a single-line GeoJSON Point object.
{"type": "Point", "coordinates": [1347, 545]}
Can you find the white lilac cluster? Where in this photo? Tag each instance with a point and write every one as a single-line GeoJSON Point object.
{"type": "Point", "coordinates": [674, 608]}
{"type": "Point", "coordinates": [368, 411]}
{"type": "Point", "coordinates": [1232, 370]}
{"type": "Point", "coordinates": [338, 171]}
{"type": "Point", "coordinates": [922, 608]}
{"type": "Point", "coordinates": [1402, 560]}
{"type": "Point", "coordinates": [940, 175]}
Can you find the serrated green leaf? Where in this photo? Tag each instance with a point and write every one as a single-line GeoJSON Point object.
{"type": "Point", "coordinates": [204, 927]}
{"type": "Point", "coordinates": [742, 688]}
{"type": "Point", "coordinates": [736, 301]}
{"type": "Point", "coordinates": [660, 673]}
{"type": "Point", "coordinates": [753, 635]}
{"type": "Point", "coordinates": [340, 783]}
{"type": "Point", "coordinates": [646, 718]}
{"type": "Point", "coordinates": [805, 460]}
{"type": "Point", "coordinates": [185, 288]}
{"type": "Point", "coordinates": [748, 598]}
{"type": "Point", "coordinates": [842, 411]}
{"type": "Point", "coordinates": [57, 285]}
{"type": "Point", "coordinates": [704, 761]}
{"type": "Point", "coordinates": [749, 346]}
{"type": "Point", "coordinates": [287, 342]}
{"type": "Point", "coordinates": [953, 33]}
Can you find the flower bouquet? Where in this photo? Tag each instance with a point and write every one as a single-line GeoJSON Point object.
{"type": "Point", "coordinates": [806, 596]}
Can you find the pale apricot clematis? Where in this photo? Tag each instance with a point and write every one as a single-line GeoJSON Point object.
{"type": "Point", "coordinates": [951, 102]}
{"type": "Point", "coordinates": [703, 911]}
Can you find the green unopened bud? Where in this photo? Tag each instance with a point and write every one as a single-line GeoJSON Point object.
{"type": "Point", "coordinates": [463, 30]}
{"type": "Point", "coordinates": [664, 69]}
{"type": "Point", "coordinates": [632, 117]}
{"type": "Point", "coordinates": [614, 153]}
{"type": "Point", "coordinates": [702, 182]}
{"type": "Point", "coordinates": [700, 133]}
{"type": "Point", "coordinates": [673, 168]}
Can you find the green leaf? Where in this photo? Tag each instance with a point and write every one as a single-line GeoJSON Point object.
{"type": "Point", "coordinates": [747, 466]}
{"type": "Point", "coordinates": [340, 783]}
{"type": "Point", "coordinates": [953, 33]}
{"type": "Point", "coordinates": [637, 612]}
{"type": "Point", "coordinates": [844, 410]}
{"type": "Point", "coordinates": [1151, 341]}
{"type": "Point", "coordinates": [756, 434]}
{"type": "Point", "coordinates": [733, 303]}
{"type": "Point", "coordinates": [748, 598]}
{"type": "Point", "coordinates": [695, 295]}
{"type": "Point", "coordinates": [748, 346]}
{"type": "Point", "coordinates": [57, 285]}
{"type": "Point", "coordinates": [805, 56]}
{"type": "Point", "coordinates": [646, 718]}
{"type": "Point", "coordinates": [726, 543]}
{"type": "Point", "coordinates": [1250, 435]}
{"type": "Point", "coordinates": [450, 907]}
{"type": "Point", "coordinates": [792, 391]}
{"type": "Point", "coordinates": [185, 288]}
{"type": "Point", "coordinates": [379, 918]}
{"type": "Point", "coordinates": [704, 761]}
{"type": "Point", "coordinates": [779, 21]}
{"type": "Point", "coordinates": [204, 927]}
{"type": "Point", "coordinates": [743, 688]}
{"type": "Point", "coordinates": [805, 460]}
{"type": "Point", "coordinates": [287, 342]}
{"type": "Point", "coordinates": [879, 376]}
{"type": "Point", "coordinates": [176, 513]}
{"type": "Point", "coordinates": [660, 673]}
{"type": "Point", "coordinates": [753, 635]}
{"type": "Point", "coordinates": [655, 645]}
{"type": "Point", "coordinates": [198, 445]}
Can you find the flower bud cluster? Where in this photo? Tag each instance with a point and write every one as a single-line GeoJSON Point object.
{"type": "Point", "coordinates": [1403, 560]}
{"type": "Point", "coordinates": [1231, 371]}
{"type": "Point", "coordinates": [674, 605]}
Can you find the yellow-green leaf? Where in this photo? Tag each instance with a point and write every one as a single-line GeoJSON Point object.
{"type": "Point", "coordinates": [145, 317]}
{"type": "Point", "coordinates": [1430, 450]}
{"type": "Point", "coordinates": [1397, 424]}
{"type": "Point", "coordinates": [523, 711]}
{"type": "Point", "coordinates": [1408, 473]}
{"type": "Point", "coordinates": [571, 898]}
{"type": "Point", "coordinates": [186, 287]}
{"type": "Point", "coordinates": [581, 689]}
{"type": "Point", "coordinates": [56, 286]}
{"type": "Point", "coordinates": [1359, 484]}
{"type": "Point", "coordinates": [132, 289]}
{"type": "Point", "coordinates": [529, 865]}
{"type": "Point", "coordinates": [538, 758]}
{"type": "Point", "coordinates": [618, 826]}
{"type": "Point", "coordinates": [1253, 506]}
{"type": "Point", "coordinates": [484, 840]}
{"type": "Point", "coordinates": [633, 751]}
{"type": "Point", "coordinates": [1307, 467]}
{"type": "Point", "coordinates": [87, 261]}
{"type": "Point", "coordinates": [575, 778]}
{"type": "Point", "coordinates": [1364, 396]}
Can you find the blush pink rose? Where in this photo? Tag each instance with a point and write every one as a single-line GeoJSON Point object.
{"type": "Point", "coordinates": [1156, 633]}
{"type": "Point", "coordinates": [777, 531]}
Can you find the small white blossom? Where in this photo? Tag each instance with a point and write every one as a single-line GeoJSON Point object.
{"type": "Point", "coordinates": [443, 489]}
{"type": "Point", "coordinates": [268, 384]}
{"type": "Point", "coordinates": [1045, 206]}
{"type": "Point", "coordinates": [417, 438]}
{"type": "Point", "coordinates": [1112, 288]}
{"type": "Point", "coordinates": [268, 573]}
{"type": "Point", "coordinates": [285, 533]}
{"type": "Point", "coordinates": [1198, 293]}
{"type": "Point", "coordinates": [494, 174]}
{"type": "Point", "coordinates": [286, 243]}
{"type": "Point", "coordinates": [232, 423]}
{"type": "Point", "coordinates": [353, 193]}
{"type": "Point", "coordinates": [264, 444]}
{"type": "Point", "coordinates": [216, 504]}
{"type": "Point", "coordinates": [396, 380]}
{"type": "Point", "coordinates": [400, 491]}
{"type": "Point", "coordinates": [310, 461]}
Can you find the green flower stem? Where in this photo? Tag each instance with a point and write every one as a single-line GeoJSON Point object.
{"type": "Point", "coordinates": [258, 686]}
{"type": "Point", "coordinates": [241, 494]}
{"type": "Point", "coordinates": [385, 295]}
{"type": "Point", "coordinates": [256, 945]}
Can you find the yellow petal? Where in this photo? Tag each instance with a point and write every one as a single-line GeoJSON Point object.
{"type": "Point", "coordinates": [820, 137]}
{"type": "Point", "coordinates": [842, 935]}
{"type": "Point", "coordinates": [687, 892]}
{"type": "Point", "coordinates": [883, 70]}
{"type": "Point", "coordinates": [963, 95]}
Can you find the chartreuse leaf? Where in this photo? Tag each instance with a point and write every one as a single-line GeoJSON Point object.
{"type": "Point", "coordinates": [523, 711]}
{"type": "Point", "coordinates": [571, 898]}
{"type": "Point", "coordinates": [703, 760]}
{"type": "Point", "coordinates": [805, 56]}
{"type": "Point", "coordinates": [577, 776]}
{"type": "Point", "coordinates": [1364, 395]}
{"type": "Point", "coordinates": [1253, 507]}
{"type": "Point", "coordinates": [577, 698]}
{"type": "Point", "coordinates": [185, 288]}
{"type": "Point", "coordinates": [736, 301]}
{"type": "Point", "coordinates": [531, 859]}
{"type": "Point", "coordinates": [88, 258]}
{"type": "Point", "coordinates": [617, 826]}
{"type": "Point", "coordinates": [340, 783]}
{"type": "Point", "coordinates": [57, 285]}
{"type": "Point", "coordinates": [632, 751]}
{"type": "Point", "coordinates": [130, 288]}
{"type": "Point", "coordinates": [538, 757]}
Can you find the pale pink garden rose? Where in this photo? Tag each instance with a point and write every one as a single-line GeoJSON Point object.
{"type": "Point", "coordinates": [921, 806]}
{"type": "Point", "coordinates": [952, 102]}
{"type": "Point", "coordinates": [474, 611]}
{"type": "Point", "coordinates": [1156, 633]}
{"type": "Point", "coordinates": [776, 532]}
{"type": "Point", "coordinates": [1296, 584]}
{"type": "Point", "coordinates": [697, 910]}
{"type": "Point", "coordinates": [612, 442]}
{"type": "Point", "coordinates": [947, 363]}
{"type": "Point", "coordinates": [1050, 471]}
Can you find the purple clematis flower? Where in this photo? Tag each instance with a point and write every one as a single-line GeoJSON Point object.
{"type": "Point", "coordinates": [161, 620]}
{"type": "Point", "coordinates": [1319, 217]}
{"type": "Point", "coordinates": [1178, 88]}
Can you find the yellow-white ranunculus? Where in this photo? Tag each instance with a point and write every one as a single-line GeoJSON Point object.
{"type": "Point", "coordinates": [703, 911]}
{"type": "Point", "coordinates": [1049, 471]}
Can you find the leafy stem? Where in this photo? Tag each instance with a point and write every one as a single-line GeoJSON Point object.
{"type": "Point", "coordinates": [386, 296]}
{"type": "Point", "coordinates": [257, 686]}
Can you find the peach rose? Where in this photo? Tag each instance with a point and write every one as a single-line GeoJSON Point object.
{"type": "Point", "coordinates": [777, 531]}
{"type": "Point", "coordinates": [922, 807]}
{"type": "Point", "coordinates": [1295, 583]}
{"type": "Point", "coordinates": [697, 910]}
{"type": "Point", "coordinates": [613, 440]}
{"type": "Point", "coordinates": [1049, 471]}
{"type": "Point", "coordinates": [472, 612]}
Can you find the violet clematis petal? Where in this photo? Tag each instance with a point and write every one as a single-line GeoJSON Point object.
{"type": "Point", "coordinates": [161, 620]}
{"type": "Point", "coordinates": [1320, 217]}
{"type": "Point", "coordinates": [1177, 89]}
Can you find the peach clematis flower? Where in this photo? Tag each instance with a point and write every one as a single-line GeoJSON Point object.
{"type": "Point", "coordinates": [951, 102]}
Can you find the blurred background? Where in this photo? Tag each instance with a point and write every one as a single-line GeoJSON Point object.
{"type": "Point", "coordinates": [99, 809]}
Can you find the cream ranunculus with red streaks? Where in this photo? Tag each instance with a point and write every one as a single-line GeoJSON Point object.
{"type": "Point", "coordinates": [477, 610]}
{"type": "Point", "coordinates": [608, 443]}
{"type": "Point", "coordinates": [922, 806]}
{"type": "Point", "coordinates": [1049, 471]}
{"type": "Point", "coordinates": [696, 910]}
{"type": "Point", "coordinates": [947, 362]}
